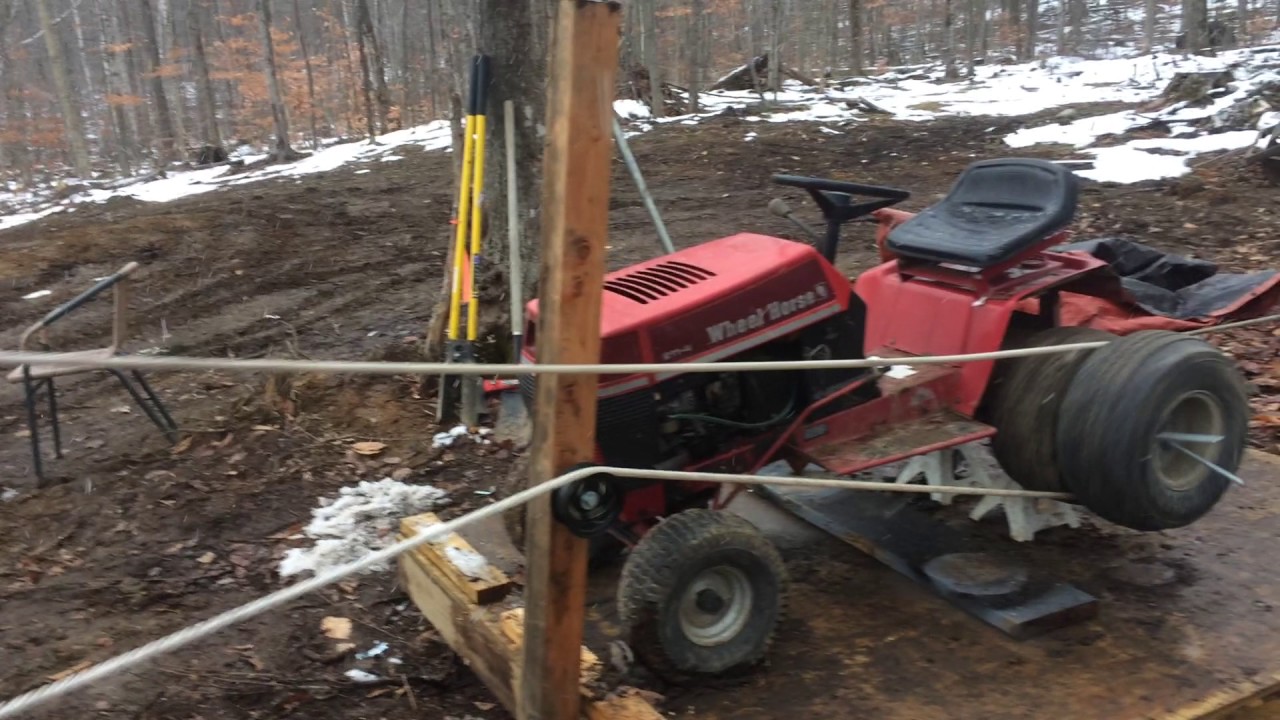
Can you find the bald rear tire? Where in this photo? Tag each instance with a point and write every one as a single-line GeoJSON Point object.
{"type": "Point", "coordinates": [1027, 394]}
{"type": "Point", "coordinates": [1133, 416]}
{"type": "Point", "coordinates": [701, 595]}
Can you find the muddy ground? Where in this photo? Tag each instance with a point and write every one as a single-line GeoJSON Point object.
{"type": "Point", "coordinates": [136, 539]}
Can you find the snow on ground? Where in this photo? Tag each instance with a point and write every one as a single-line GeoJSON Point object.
{"type": "Point", "coordinates": [1156, 158]}
{"type": "Point", "coordinates": [432, 136]}
{"type": "Point", "coordinates": [360, 520]}
{"type": "Point", "coordinates": [906, 93]}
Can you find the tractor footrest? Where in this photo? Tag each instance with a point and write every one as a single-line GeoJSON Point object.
{"type": "Point", "coordinates": [978, 575]}
{"type": "Point", "coordinates": [896, 442]}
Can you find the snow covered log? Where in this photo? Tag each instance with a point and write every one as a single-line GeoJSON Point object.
{"type": "Point", "coordinates": [1193, 88]}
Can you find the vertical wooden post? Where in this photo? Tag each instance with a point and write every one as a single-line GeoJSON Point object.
{"type": "Point", "coordinates": [575, 224]}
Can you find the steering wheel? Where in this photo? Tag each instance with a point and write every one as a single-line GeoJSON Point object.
{"type": "Point", "coordinates": [835, 197]}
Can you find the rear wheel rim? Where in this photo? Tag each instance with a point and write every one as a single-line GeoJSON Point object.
{"type": "Point", "coordinates": [715, 607]}
{"type": "Point", "coordinates": [1195, 413]}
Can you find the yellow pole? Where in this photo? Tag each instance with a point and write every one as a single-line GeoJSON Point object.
{"type": "Point", "coordinates": [473, 303]}
{"type": "Point", "coordinates": [460, 234]}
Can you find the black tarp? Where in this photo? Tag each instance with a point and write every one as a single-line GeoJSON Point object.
{"type": "Point", "coordinates": [1171, 285]}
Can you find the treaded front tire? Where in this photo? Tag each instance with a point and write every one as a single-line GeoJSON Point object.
{"type": "Point", "coordinates": [1126, 394]}
{"type": "Point", "coordinates": [702, 594]}
{"type": "Point", "coordinates": [1028, 393]}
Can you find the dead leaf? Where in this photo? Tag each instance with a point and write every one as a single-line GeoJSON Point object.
{"type": "Point", "coordinates": [82, 665]}
{"type": "Point", "coordinates": [183, 445]}
{"type": "Point", "coordinates": [369, 448]}
{"type": "Point", "coordinates": [485, 706]}
{"type": "Point", "coordinates": [206, 558]}
{"type": "Point", "coordinates": [376, 693]}
{"type": "Point", "coordinates": [336, 628]}
{"type": "Point", "coordinates": [265, 428]}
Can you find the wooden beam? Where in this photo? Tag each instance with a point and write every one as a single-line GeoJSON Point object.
{"type": "Point", "coordinates": [575, 224]}
{"type": "Point", "coordinates": [473, 632]}
{"type": "Point", "coordinates": [490, 639]}
{"type": "Point", "coordinates": [454, 557]}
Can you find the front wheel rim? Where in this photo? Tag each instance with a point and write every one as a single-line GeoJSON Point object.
{"type": "Point", "coordinates": [716, 606]}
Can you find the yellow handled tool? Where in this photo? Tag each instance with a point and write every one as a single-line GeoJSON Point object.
{"type": "Point", "coordinates": [464, 289]}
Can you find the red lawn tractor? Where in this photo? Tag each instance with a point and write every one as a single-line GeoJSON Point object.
{"type": "Point", "coordinates": [1145, 431]}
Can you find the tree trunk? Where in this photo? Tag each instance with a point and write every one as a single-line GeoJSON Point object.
{"type": "Point", "coordinates": [1149, 26]}
{"type": "Point", "coordinates": [519, 74]}
{"type": "Point", "coordinates": [281, 150]}
{"type": "Point", "coordinates": [696, 50]}
{"type": "Point", "coordinates": [1032, 40]}
{"type": "Point", "coordinates": [366, 82]}
{"type": "Point", "coordinates": [372, 58]}
{"type": "Point", "coordinates": [311, 78]}
{"type": "Point", "coordinates": [949, 43]}
{"type": "Point", "coordinates": [971, 36]}
{"type": "Point", "coordinates": [72, 122]}
{"type": "Point", "coordinates": [164, 117]}
{"type": "Point", "coordinates": [855, 37]}
{"type": "Point", "coordinates": [207, 101]}
{"type": "Point", "coordinates": [649, 41]}
{"type": "Point", "coordinates": [775, 45]}
{"type": "Point", "coordinates": [1195, 22]}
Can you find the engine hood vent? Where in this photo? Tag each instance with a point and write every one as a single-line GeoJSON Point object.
{"type": "Point", "coordinates": [656, 281]}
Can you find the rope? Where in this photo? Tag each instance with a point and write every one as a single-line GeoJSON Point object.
{"type": "Point", "coordinates": [335, 367]}
{"type": "Point", "coordinates": [186, 636]}
{"type": "Point", "coordinates": [116, 665]}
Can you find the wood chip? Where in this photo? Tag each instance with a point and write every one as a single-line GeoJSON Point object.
{"type": "Point", "coordinates": [82, 665]}
{"type": "Point", "coordinates": [368, 448]}
{"type": "Point", "coordinates": [337, 628]}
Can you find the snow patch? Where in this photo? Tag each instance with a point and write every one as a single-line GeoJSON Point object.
{"type": "Point", "coordinates": [8, 494]}
{"type": "Point", "coordinates": [8, 221]}
{"type": "Point", "coordinates": [631, 109]}
{"type": "Point", "coordinates": [449, 437]}
{"type": "Point", "coordinates": [469, 562]}
{"type": "Point", "coordinates": [360, 520]}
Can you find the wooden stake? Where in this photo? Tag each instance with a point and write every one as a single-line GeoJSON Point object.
{"type": "Point", "coordinates": [575, 223]}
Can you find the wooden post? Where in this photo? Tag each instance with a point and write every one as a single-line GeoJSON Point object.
{"type": "Point", "coordinates": [575, 224]}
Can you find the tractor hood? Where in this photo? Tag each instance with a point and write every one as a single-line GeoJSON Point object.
{"type": "Point", "coordinates": [711, 301]}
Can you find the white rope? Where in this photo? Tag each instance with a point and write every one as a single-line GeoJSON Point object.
{"type": "Point", "coordinates": [186, 636]}
{"type": "Point", "coordinates": [256, 365]}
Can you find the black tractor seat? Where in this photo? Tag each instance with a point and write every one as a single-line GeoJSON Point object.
{"type": "Point", "coordinates": [997, 210]}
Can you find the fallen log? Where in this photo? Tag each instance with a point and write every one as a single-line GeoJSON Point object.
{"type": "Point", "coordinates": [753, 75]}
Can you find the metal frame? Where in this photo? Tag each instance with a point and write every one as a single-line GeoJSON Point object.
{"type": "Point", "coordinates": [36, 379]}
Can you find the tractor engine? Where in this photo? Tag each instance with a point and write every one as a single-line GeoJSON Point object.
{"type": "Point", "coordinates": [742, 298]}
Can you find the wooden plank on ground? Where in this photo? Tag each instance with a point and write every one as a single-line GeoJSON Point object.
{"type": "Point", "coordinates": [453, 556]}
{"type": "Point", "coordinates": [489, 639]}
{"type": "Point", "coordinates": [575, 224]}
{"type": "Point", "coordinates": [1188, 629]}
{"type": "Point", "coordinates": [472, 631]}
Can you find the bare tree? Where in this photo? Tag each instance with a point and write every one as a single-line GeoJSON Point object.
{"type": "Point", "coordinates": [71, 119]}
{"type": "Point", "coordinates": [311, 78]}
{"type": "Point", "coordinates": [206, 99]}
{"type": "Point", "coordinates": [164, 117]}
{"type": "Point", "coordinates": [281, 149]}
{"type": "Point", "coordinates": [855, 37]}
